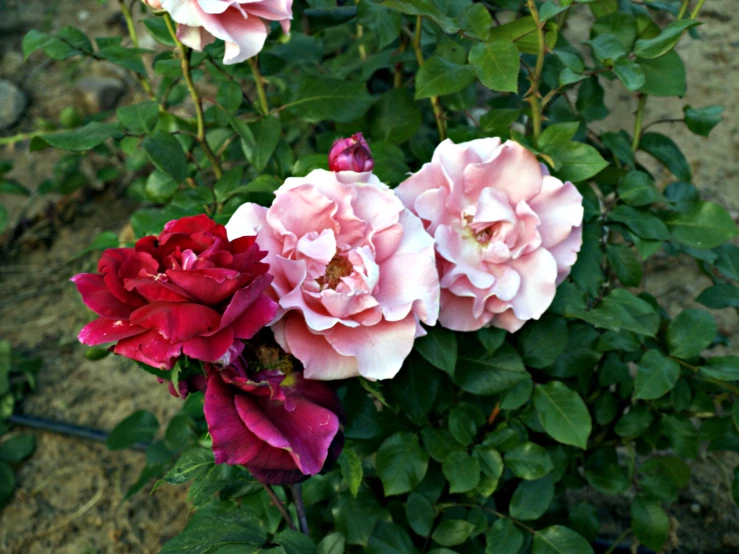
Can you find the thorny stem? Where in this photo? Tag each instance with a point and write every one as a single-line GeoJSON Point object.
{"type": "Point", "coordinates": [260, 85]}
{"type": "Point", "coordinates": [297, 493]}
{"type": "Point", "coordinates": [398, 77]}
{"type": "Point", "coordinates": [683, 9]}
{"type": "Point", "coordinates": [143, 79]}
{"type": "Point", "coordinates": [185, 54]}
{"type": "Point", "coordinates": [697, 9]}
{"type": "Point", "coordinates": [639, 121]}
{"type": "Point", "coordinates": [435, 103]}
{"type": "Point", "coordinates": [535, 77]}
{"type": "Point", "coordinates": [280, 506]}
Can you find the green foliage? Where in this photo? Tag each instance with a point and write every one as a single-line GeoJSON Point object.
{"type": "Point", "coordinates": [472, 446]}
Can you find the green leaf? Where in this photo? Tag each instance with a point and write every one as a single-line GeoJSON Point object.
{"type": "Point", "coordinates": [35, 40]}
{"type": "Point", "coordinates": [228, 185]}
{"type": "Point", "coordinates": [607, 48]}
{"type": "Point", "coordinates": [682, 435]}
{"type": "Point", "coordinates": [496, 64]}
{"type": "Point", "coordinates": [630, 74]}
{"type": "Point", "coordinates": [635, 422]}
{"type": "Point", "coordinates": [562, 413]}
{"type": "Point", "coordinates": [8, 186]}
{"type": "Point", "coordinates": [166, 153]}
{"type": "Point", "coordinates": [625, 263]}
{"type": "Point", "coordinates": [351, 469]}
{"type": "Point", "coordinates": [83, 138]}
{"type": "Point", "coordinates": [356, 518]}
{"type": "Point", "coordinates": [589, 103]}
{"type": "Point", "coordinates": [559, 133]}
{"type": "Point", "coordinates": [734, 487]}
{"type": "Point", "coordinates": [205, 486]}
{"type": "Point", "coordinates": [528, 461]}
{"type": "Point", "coordinates": [128, 58]}
{"type": "Point", "coordinates": [728, 260]}
{"type": "Point", "coordinates": [426, 8]}
{"type": "Point", "coordinates": [532, 498]}
{"type": "Point", "coordinates": [7, 483]}
{"type": "Point", "coordinates": [332, 544]}
{"type": "Point", "coordinates": [194, 462]}
{"type": "Point", "coordinates": [16, 449]}
{"type": "Point", "coordinates": [620, 25]}
{"type": "Point", "coordinates": [707, 225]}
{"type": "Point", "coordinates": [3, 218]}
{"type": "Point", "coordinates": [383, 22]}
{"type": "Point", "coordinates": [643, 223]}
{"type": "Point", "coordinates": [158, 29]}
{"type": "Point", "coordinates": [420, 514]}
{"type": "Point", "coordinates": [395, 117]}
{"type": "Point", "coordinates": [439, 348]}
{"type": "Point", "coordinates": [559, 540]}
{"type": "Point", "coordinates": [723, 368]}
{"type": "Point", "coordinates": [637, 188]}
{"type": "Point", "coordinates": [401, 463]}
{"type": "Point", "coordinates": [666, 151]}
{"type": "Point", "coordinates": [229, 96]}
{"type": "Point", "coordinates": [325, 99]}
{"type": "Point", "coordinates": [541, 342]}
{"type": "Point", "coordinates": [462, 426]}
{"type": "Point", "coordinates": [656, 375]}
{"type": "Point", "coordinates": [665, 76]}
{"type": "Point", "coordinates": [649, 522]}
{"type": "Point", "coordinates": [549, 9]}
{"type": "Point", "coordinates": [452, 532]}
{"type": "Point", "coordinates": [439, 76]}
{"type": "Point", "coordinates": [690, 333]}
{"type": "Point", "coordinates": [579, 161]}
{"type": "Point", "coordinates": [160, 187]}
{"type": "Point", "coordinates": [503, 538]}
{"type": "Point", "coordinates": [665, 41]}
{"type": "Point", "coordinates": [295, 542]}
{"type": "Point", "coordinates": [720, 296]}
{"type": "Point", "coordinates": [483, 374]}
{"type": "Point", "coordinates": [462, 471]}
{"type": "Point", "coordinates": [140, 426]}
{"type": "Point", "coordinates": [621, 310]}
{"type": "Point", "coordinates": [416, 388]}
{"type": "Point", "coordinates": [620, 144]}
{"type": "Point", "coordinates": [701, 121]}
{"type": "Point", "coordinates": [476, 21]}
{"type": "Point", "coordinates": [390, 166]}
{"type": "Point", "coordinates": [211, 529]}
{"type": "Point", "coordinates": [389, 538]}
{"type": "Point", "coordinates": [266, 133]}
{"type": "Point", "coordinates": [139, 119]}
{"type": "Point", "coordinates": [522, 31]}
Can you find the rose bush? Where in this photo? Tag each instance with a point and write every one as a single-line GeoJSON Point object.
{"type": "Point", "coordinates": [416, 262]}
{"type": "Point", "coordinates": [506, 231]}
{"type": "Point", "coordinates": [354, 273]}
{"type": "Point", "coordinates": [188, 291]}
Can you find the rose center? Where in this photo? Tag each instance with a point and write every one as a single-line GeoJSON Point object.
{"type": "Point", "coordinates": [336, 269]}
{"type": "Point", "coordinates": [487, 234]}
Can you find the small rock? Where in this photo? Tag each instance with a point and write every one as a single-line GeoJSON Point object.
{"type": "Point", "coordinates": [12, 103]}
{"type": "Point", "coordinates": [100, 93]}
{"type": "Point", "coordinates": [730, 540]}
{"type": "Point", "coordinates": [695, 508]}
{"type": "Point", "coordinates": [12, 63]}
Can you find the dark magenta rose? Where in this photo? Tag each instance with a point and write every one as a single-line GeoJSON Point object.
{"type": "Point", "coordinates": [351, 154]}
{"type": "Point", "coordinates": [188, 291]}
{"type": "Point", "coordinates": [282, 428]}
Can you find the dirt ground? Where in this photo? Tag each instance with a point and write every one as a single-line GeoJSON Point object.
{"type": "Point", "coordinates": [69, 499]}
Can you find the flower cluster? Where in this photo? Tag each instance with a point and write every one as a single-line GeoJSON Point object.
{"type": "Point", "coordinates": [345, 271]}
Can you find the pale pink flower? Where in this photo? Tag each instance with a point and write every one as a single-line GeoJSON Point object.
{"type": "Point", "coordinates": [507, 233]}
{"type": "Point", "coordinates": [241, 24]}
{"type": "Point", "coordinates": [354, 273]}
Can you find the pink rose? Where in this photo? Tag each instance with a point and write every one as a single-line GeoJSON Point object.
{"type": "Point", "coordinates": [188, 291]}
{"type": "Point", "coordinates": [506, 232]}
{"type": "Point", "coordinates": [240, 23]}
{"type": "Point", "coordinates": [350, 154]}
{"type": "Point", "coordinates": [282, 428]}
{"type": "Point", "coordinates": [354, 273]}
{"type": "Point", "coordinates": [154, 4]}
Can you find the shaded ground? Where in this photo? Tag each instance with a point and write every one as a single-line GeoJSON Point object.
{"type": "Point", "coordinates": [70, 492]}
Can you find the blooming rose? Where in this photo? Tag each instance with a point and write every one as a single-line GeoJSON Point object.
{"type": "Point", "coordinates": [189, 291]}
{"type": "Point", "coordinates": [350, 154]}
{"type": "Point", "coordinates": [506, 232]}
{"type": "Point", "coordinates": [240, 23]}
{"type": "Point", "coordinates": [282, 428]}
{"type": "Point", "coordinates": [354, 273]}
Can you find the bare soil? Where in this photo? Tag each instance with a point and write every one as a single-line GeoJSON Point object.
{"type": "Point", "coordinates": [70, 495]}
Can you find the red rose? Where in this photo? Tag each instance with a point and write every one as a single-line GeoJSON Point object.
{"type": "Point", "coordinates": [188, 291]}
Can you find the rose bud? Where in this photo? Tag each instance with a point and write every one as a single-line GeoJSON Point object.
{"type": "Point", "coordinates": [188, 291]}
{"type": "Point", "coordinates": [351, 154]}
{"type": "Point", "coordinates": [281, 427]}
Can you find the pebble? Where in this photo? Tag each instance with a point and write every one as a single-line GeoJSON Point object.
{"type": "Point", "coordinates": [99, 94]}
{"type": "Point", "coordinates": [13, 103]}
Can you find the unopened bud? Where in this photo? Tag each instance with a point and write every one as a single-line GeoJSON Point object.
{"type": "Point", "coordinates": [351, 154]}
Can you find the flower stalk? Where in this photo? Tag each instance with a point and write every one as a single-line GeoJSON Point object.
{"type": "Point", "coordinates": [297, 493]}
{"type": "Point", "coordinates": [639, 121]}
{"type": "Point", "coordinates": [143, 79]}
{"type": "Point", "coordinates": [259, 80]}
{"type": "Point", "coordinates": [435, 103]}
{"type": "Point", "coordinates": [185, 55]}
{"type": "Point", "coordinates": [535, 77]}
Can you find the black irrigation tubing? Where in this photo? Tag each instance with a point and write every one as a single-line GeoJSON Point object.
{"type": "Point", "coordinates": [68, 429]}
{"type": "Point", "coordinates": [72, 430]}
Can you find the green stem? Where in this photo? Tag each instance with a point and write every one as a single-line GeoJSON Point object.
{"type": "Point", "coordinates": [260, 85]}
{"type": "Point", "coordinates": [280, 506]}
{"type": "Point", "coordinates": [185, 54]}
{"type": "Point", "coordinates": [697, 9]}
{"type": "Point", "coordinates": [616, 543]}
{"type": "Point", "coordinates": [300, 508]}
{"type": "Point", "coordinates": [722, 384]}
{"type": "Point", "coordinates": [143, 79]}
{"type": "Point", "coordinates": [639, 121]}
{"type": "Point", "coordinates": [360, 34]}
{"type": "Point", "coordinates": [535, 78]}
{"type": "Point", "coordinates": [683, 9]}
{"type": "Point", "coordinates": [435, 102]}
{"type": "Point", "coordinates": [5, 141]}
